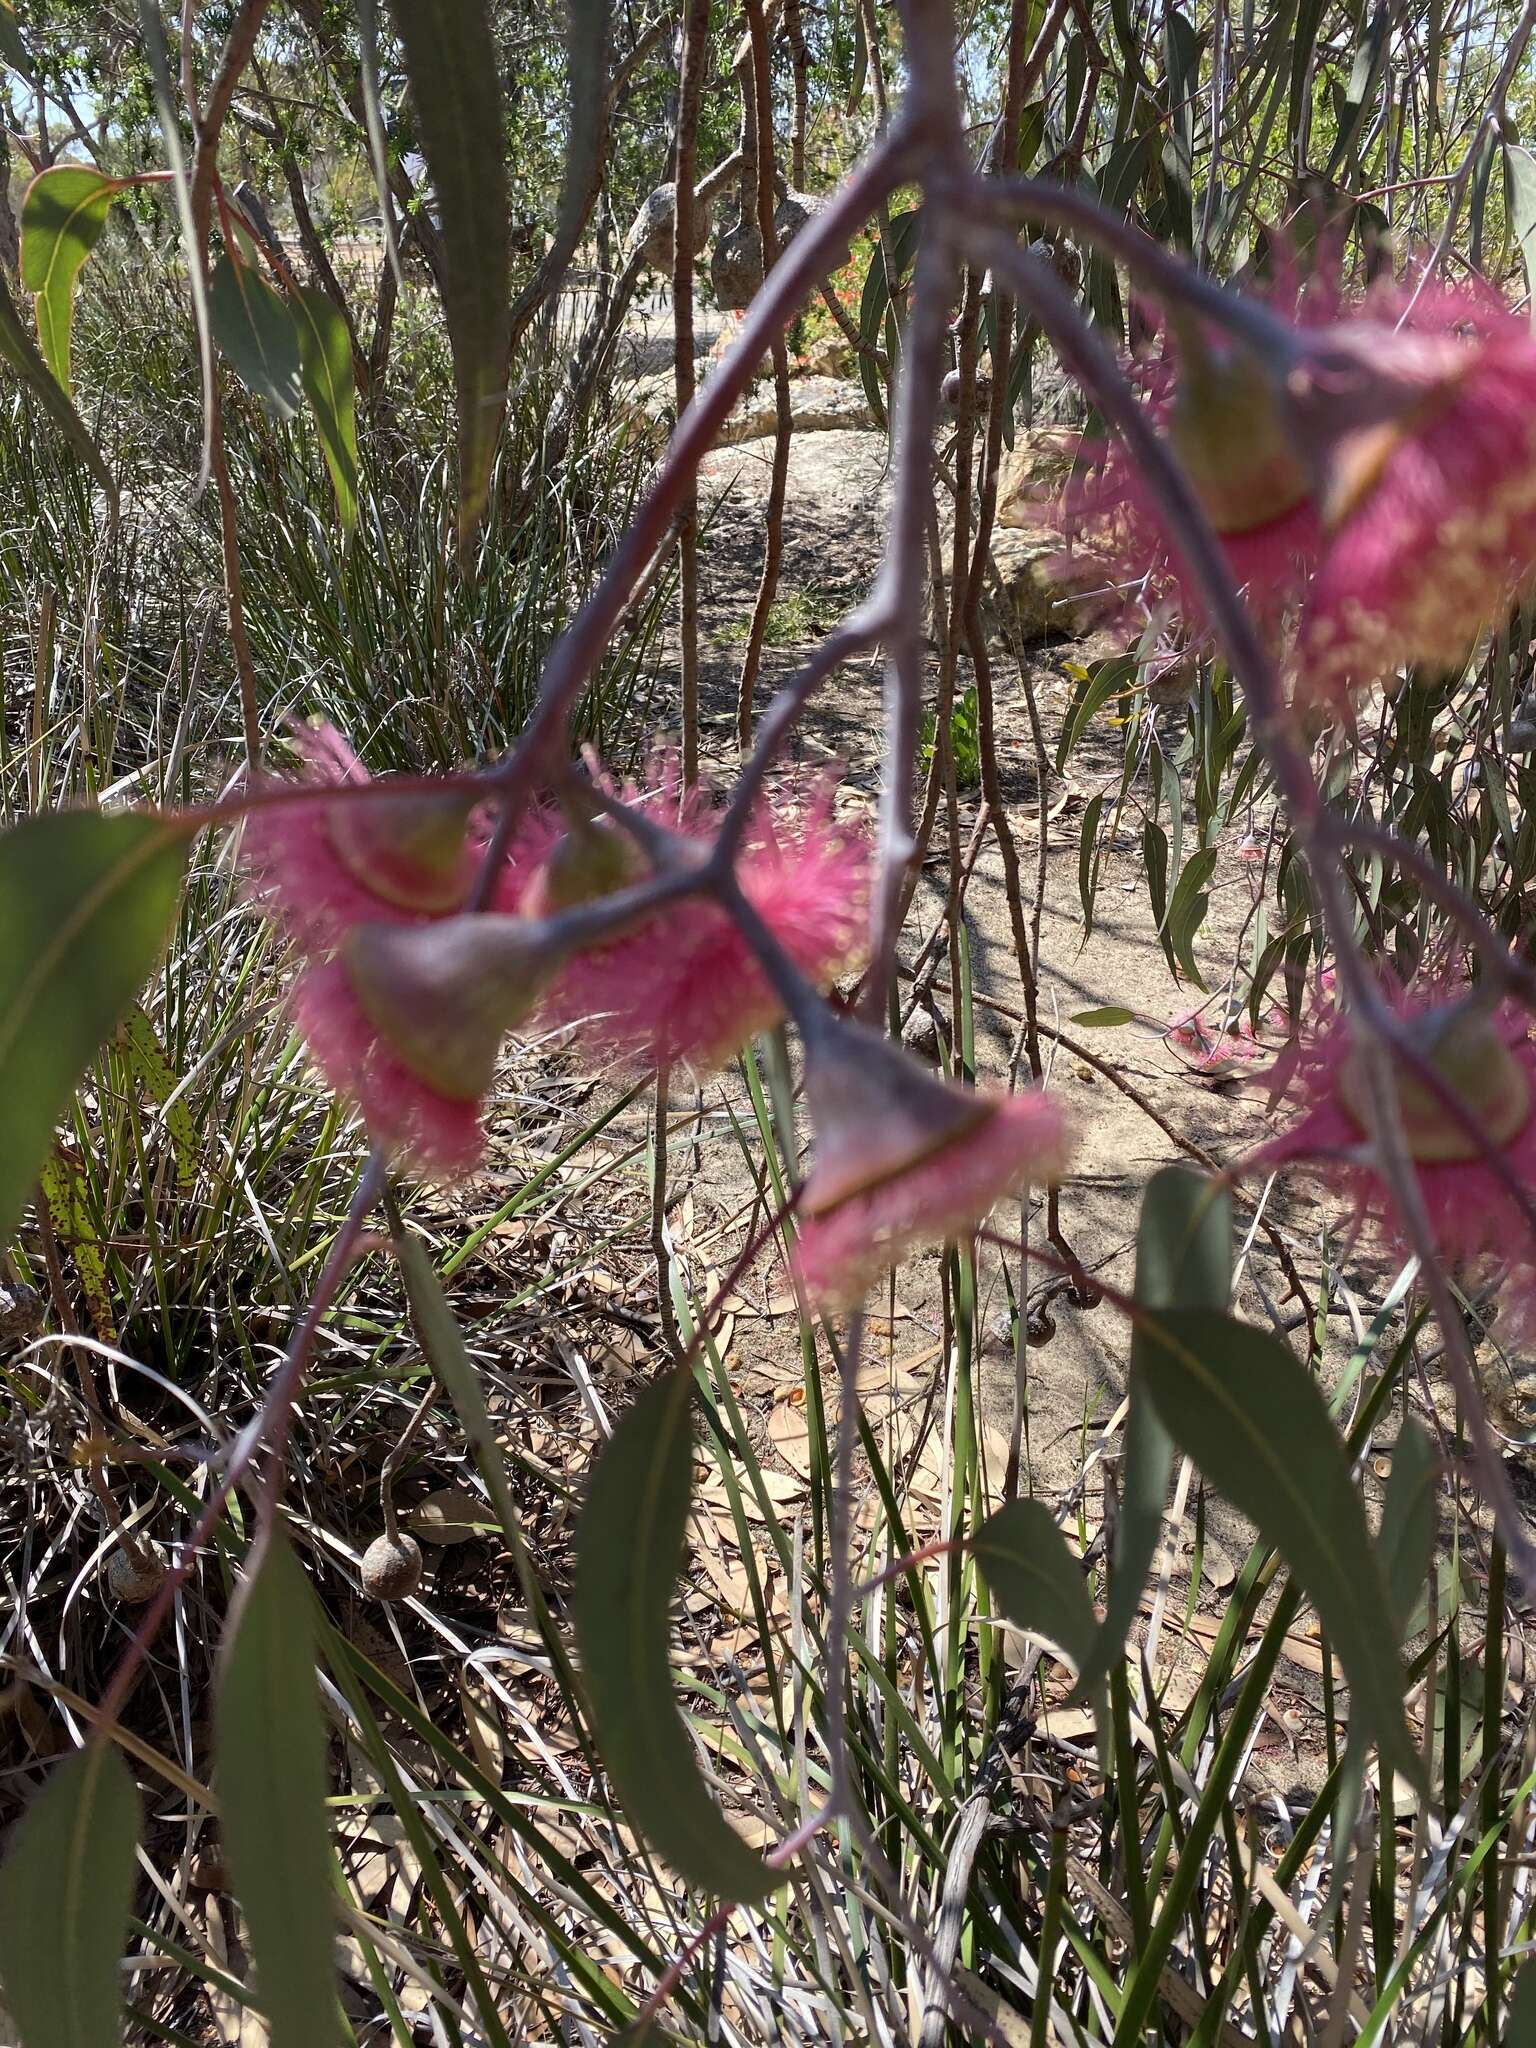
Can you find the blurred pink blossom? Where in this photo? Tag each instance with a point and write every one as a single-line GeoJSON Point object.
{"type": "Point", "coordinates": [1489, 1063]}
{"type": "Point", "coordinates": [318, 868]}
{"type": "Point", "coordinates": [904, 1158]}
{"type": "Point", "coordinates": [1431, 515]}
{"type": "Point", "coordinates": [682, 983]}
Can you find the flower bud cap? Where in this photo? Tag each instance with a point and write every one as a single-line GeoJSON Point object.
{"type": "Point", "coordinates": [877, 1114]}
{"type": "Point", "coordinates": [594, 858]}
{"type": "Point", "coordinates": [1230, 429]}
{"type": "Point", "coordinates": [442, 996]}
{"type": "Point", "coordinates": [1474, 1059]}
{"type": "Point", "coordinates": [408, 850]}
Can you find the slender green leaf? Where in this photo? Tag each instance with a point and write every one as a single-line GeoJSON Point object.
{"type": "Point", "coordinates": [1520, 2020]}
{"type": "Point", "coordinates": [1520, 203]}
{"type": "Point", "coordinates": [1183, 1260]}
{"type": "Point", "coordinates": [194, 255]}
{"type": "Point", "coordinates": [272, 1787]}
{"type": "Point", "coordinates": [1408, 1521]}
{"type": "Point", "coordinates": [85, 903]}
{"type": "Point", "coordinates": [1096, 685]}
{"type": "Point", "coordinates": [1108, 1018]}
{"type": "Point", "coordinates": [629, 1552]}
{"type": "Point", "coordinates": [1087, 861]}
{"type": "Point", "coordinates": [19, 349]}
{"type": "Point", "coordinates": [455, 74]}
{"type": "Point", "coordinates": [373, 124]}
{"type": "Point", "coordinates": [65, 1891]}
{"type": "Point", "coordinates": [258, 332]}
{"type": "Point", "coordinates": [325, 368]}
{"type": "Point", "coordinates": [1031, 133]}
{"type": "Point", "coordinates": [1186, 912]}
{"type": "Point", "coordinates": [62, 219]}
{"type": "Point", "coordinates": [1255, 1422]}
{"type": "Point", "coordinates": [1039, 1586]}
{"type": "Point", "coordinates": [1364, 82]}
{"type": "Point", "coordinates": [443, 1342]}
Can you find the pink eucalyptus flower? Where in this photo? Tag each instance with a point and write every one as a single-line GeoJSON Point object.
{"type": "Point", "coordinates": [1222, 412]}
{"type": "Point", "coordinates": [408, 1020]}
{"type": "Point", "coordinates": [1432, 515]}
{"type": "Point", "coordinates": [1489, 1064]}
{"type": "Point", "coordinates": [1213, 1049]}
{"type": "Point", "coordinates": [439, 1133]}
{"type": "Point", "coordinates": [319, 868]}
{"type": "Point", "coordinates": [905, 1159]}
{"type": "Point", "coordinates": [325, 871]}
{"type": "Point", "coordinates": [681, 983]}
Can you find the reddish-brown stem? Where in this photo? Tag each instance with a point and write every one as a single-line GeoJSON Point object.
{"type": "Point", "coordinates": [269, 1425]}
{"type": "Point", "coordinates": [695, 55]}
{"type": "Point", "coordinates": [759, 82]}
{"type": "Point", "coordinates": [822, 246]}
{"type": "Point", "coordinates": [941, 1546]}
{"type": "Point", "coordinates": [780, 1854]}
{"type": "Point", "coordinates": [899, 590]}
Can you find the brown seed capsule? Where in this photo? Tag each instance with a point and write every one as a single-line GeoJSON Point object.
{"type": "Point", "coordinates": [136, 1575]}
{"type": "Point", "coordinates": [206, 1873]}
{"type": "Point", "coordinates": [392, 1567]}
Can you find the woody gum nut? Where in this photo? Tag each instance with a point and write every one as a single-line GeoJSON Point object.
{"type": "Point", "coordinates": [391, 1568]}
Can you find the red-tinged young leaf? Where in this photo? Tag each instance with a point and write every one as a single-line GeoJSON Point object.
{"type": "Point", "coordinates": [61, 222]}
{"type": "Point", "coordinates": [629, 1552]}
{"type": "Point", "coordinates": [325, 369]}
{"type": "Point", "coordinates": [272, 1786]}
{"type": "Point", "coordinates": [1255, 1422]}
{"type": "Point", "coordinates": [455, 74]}
{"type": "Point", "coordinates": [65, 1891]}
{"type": "Point", "coordinates": [86, 901]}
{"type": "Point", "coordinates": [258, 333]}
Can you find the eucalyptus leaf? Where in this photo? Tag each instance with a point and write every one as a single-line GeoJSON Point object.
{"type": "Point", "coordinates": [1039, 1586]}
{"type": "Point", "coordinates": [62, 219]}
{"type": "Point", "coordinates": [1183, 1260]}
{"type": "Point", "coordinates": [629, 1553]}
{"type": "Point", "coordinates": [257, 331]}
{"type": "Point", "coordinates": [1408, 1521]}
{"type": "Point", "coordinates": [1520, 204]}
{"type": "Point", "coordinates": [66, 1887]}
{"type": "Point", "coordinates": [1255, 1422]}
{"type": "Point", "coordinates": [1520, 2020]}
{"type": "Point", "coordinates": [454, 69]}
{"type": "Point", "coordinates": [85, 904]}
{"type": "Point", "coordinates": [1107, 1018]}
{"type": "Point", "coordinates": [19, 350]}
{"type": "Point", "coordinates": [272, 1788]}
{"type": "Point", "coordinates": [325, 370]}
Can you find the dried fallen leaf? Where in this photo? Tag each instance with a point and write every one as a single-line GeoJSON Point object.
{"type": "Point", "coordinates": [451, 1515]}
